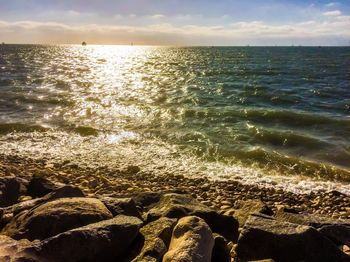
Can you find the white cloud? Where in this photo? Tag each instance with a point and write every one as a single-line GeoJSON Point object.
{"type": "Point", "coordinates": [157, 16]}
{"type": "Point", "coordinates": [331, 4]}
{"type": "Point", "coordinates": [333, 13]}
{"type": "Point", "coordinates": [167, 33]}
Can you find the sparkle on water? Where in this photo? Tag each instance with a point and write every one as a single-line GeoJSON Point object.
{"type": "Point", "coordinates": [177, 110]}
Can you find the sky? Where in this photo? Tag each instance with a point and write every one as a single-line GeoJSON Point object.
{"type": "Point", "coordinates": [176, 22]}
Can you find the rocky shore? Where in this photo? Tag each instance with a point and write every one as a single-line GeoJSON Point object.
{"type": "Point", "coordinates": [64, 212]}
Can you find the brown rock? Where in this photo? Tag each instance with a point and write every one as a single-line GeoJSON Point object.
{"type": "Point", "coordinates": [177, 206]}
{"type": "Point", "coordinates": [192, 241]}
{"type": "Point", "coordinates": [9, 191]}
{"type": "Point", "coordinates": [55, 217]}
{"type": "Point", "coordinates": [264, 237]}
{"type": "Point", "coordinates": [105, 241]}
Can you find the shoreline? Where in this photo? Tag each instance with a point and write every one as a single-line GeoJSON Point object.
{"type": "Point", "coordinates": [63, 212]}
{"type": "Point", "coordinates": [219, 195]}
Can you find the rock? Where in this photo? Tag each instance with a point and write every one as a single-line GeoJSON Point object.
{"type": "Point", "coordinates": [156, 236]}
{"type": "Point", "coordinates": [12, 250]}
{"type": "Point", "coordinates": [266, 238]}
{"type": "Point", "coordinates": [146, 199]}
{"type": "Point", "coordinates": [192, 241]}
{"type": "Point", "coordinates": [316, 221]}
{"type": "Point", "coordinates": [263, 260]}
{"type": "Point", "coordinates": [39, 186]}
{"type": "Point", "coordinates": [132, 169]}
{"type": "Point", "coordinates": [56, 216]}
{"type": "Point", "coordinates": [220, 251]}
{"type": "Point", "coordinates": [339, 234]}
{"type": "Point", "coordinates": [9, 191]}
{"type": "Point", "coordinates": [121, 206]}
{"type": "Point", "coordinates": [249, 207]}
{"type": "Point", "coordinates": [178, 206]}
{"type": "Point", "coordinates": [65, 191]}
{"type": "Point", "coordinates": [107, 240]}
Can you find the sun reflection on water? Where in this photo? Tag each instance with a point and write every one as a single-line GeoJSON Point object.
{"type": "Point", "coordinates": [108, 85]}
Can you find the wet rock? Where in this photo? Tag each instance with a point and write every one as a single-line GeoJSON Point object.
{"type": "Point", "coordinates": [191, 241]}
{"type": "Point", "coordinates": [121, 206]}
{"type": "Point", "coordinates": [9, 191]}
{"type": "Point", "coordinates": [264, 237]}
{"type": "Point", "coordinates": [107, 240]}
{"type": "Point", "coordinates": [177, 206]}
{"type": "Point", "coordinates": [339, 234]}
{"type": "Point", "coordinates": [249, 207]}
{"type": "Point", "coordinates": [55, 217]}
{"type": "Point", "coordinates": [39, 186]}
{"type": "Point", "coordinates": [220, 251]}
{"type": "Point", "coordinates": [156, 236]}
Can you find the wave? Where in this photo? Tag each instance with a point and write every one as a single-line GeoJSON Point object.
{"type": "Point", "coordinates": [6, 128]}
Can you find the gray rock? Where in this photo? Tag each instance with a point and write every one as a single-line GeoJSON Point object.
{"type": "Point", "coordinates": [192, 241]}
{"type": "Point", "coordinates": [121, 206]}
{"type": "Point", "coordinates": [178, 206]}
{"type": "Point", "coordinates": [266, 238]}
{"type": "Point", "coordinates": [156, 239]}
{"type": "Point", "coordinates": [105, 241]}
{"type": "Point", "coordinates": [9, 191]}
{"type": "Point", "coordinates": [56, 216]}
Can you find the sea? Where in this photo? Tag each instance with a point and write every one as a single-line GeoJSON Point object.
{"type": "Point", "coordinates": [270, 116]}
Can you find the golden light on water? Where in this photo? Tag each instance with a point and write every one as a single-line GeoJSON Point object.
{"type": "Point", "coordinates": [108, 87]}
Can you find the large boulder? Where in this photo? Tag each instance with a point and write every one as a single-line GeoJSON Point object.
{"type": "Point", "coordinates": [63, 192]}
{"type": "Point", "coordinates": [39, 186]}
{"type": "Point", "coordinates": [338, 233]}
{"type": "Point", "coordinates": [9, 191]}
{"type": "Point", "coordinates": [156, 239]}
{"type": "Point", "coordinates": [177, 206]}
{"type": "Point", "coordinates": [192, 241]}
{"type": "Point", "coordinates": [249, 207]}
{"type": "Point", "coordinates": [121, 206]}
{"type": "Point", "coordinates": [56, 216]}
{"type": "Point", "coordinates": [106, 241]}
{"type": "Point", "coordinates": [264, 237]}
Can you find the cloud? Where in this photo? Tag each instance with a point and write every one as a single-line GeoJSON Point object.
{"type": "Point", "coordinates": [157, 16]}
{"type": "Point", "coordinates": [332, 30]}
{"type": "Point", "coordinates": [331, 4]}
{"type": "Point", "coordinates": [333, 13]}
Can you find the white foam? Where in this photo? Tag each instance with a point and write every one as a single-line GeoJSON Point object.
{"type": "Point", "coordinates": [151, 155]}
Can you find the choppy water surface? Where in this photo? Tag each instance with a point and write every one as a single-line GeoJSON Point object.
{"type": "Point", "coordinates": [278, 115]}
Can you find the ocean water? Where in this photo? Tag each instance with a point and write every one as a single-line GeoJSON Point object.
{"type": "Point", "coordinates": [275, 116]}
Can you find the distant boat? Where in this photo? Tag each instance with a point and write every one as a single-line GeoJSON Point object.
{"type": "Point", "coordinates": [83, 43]}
